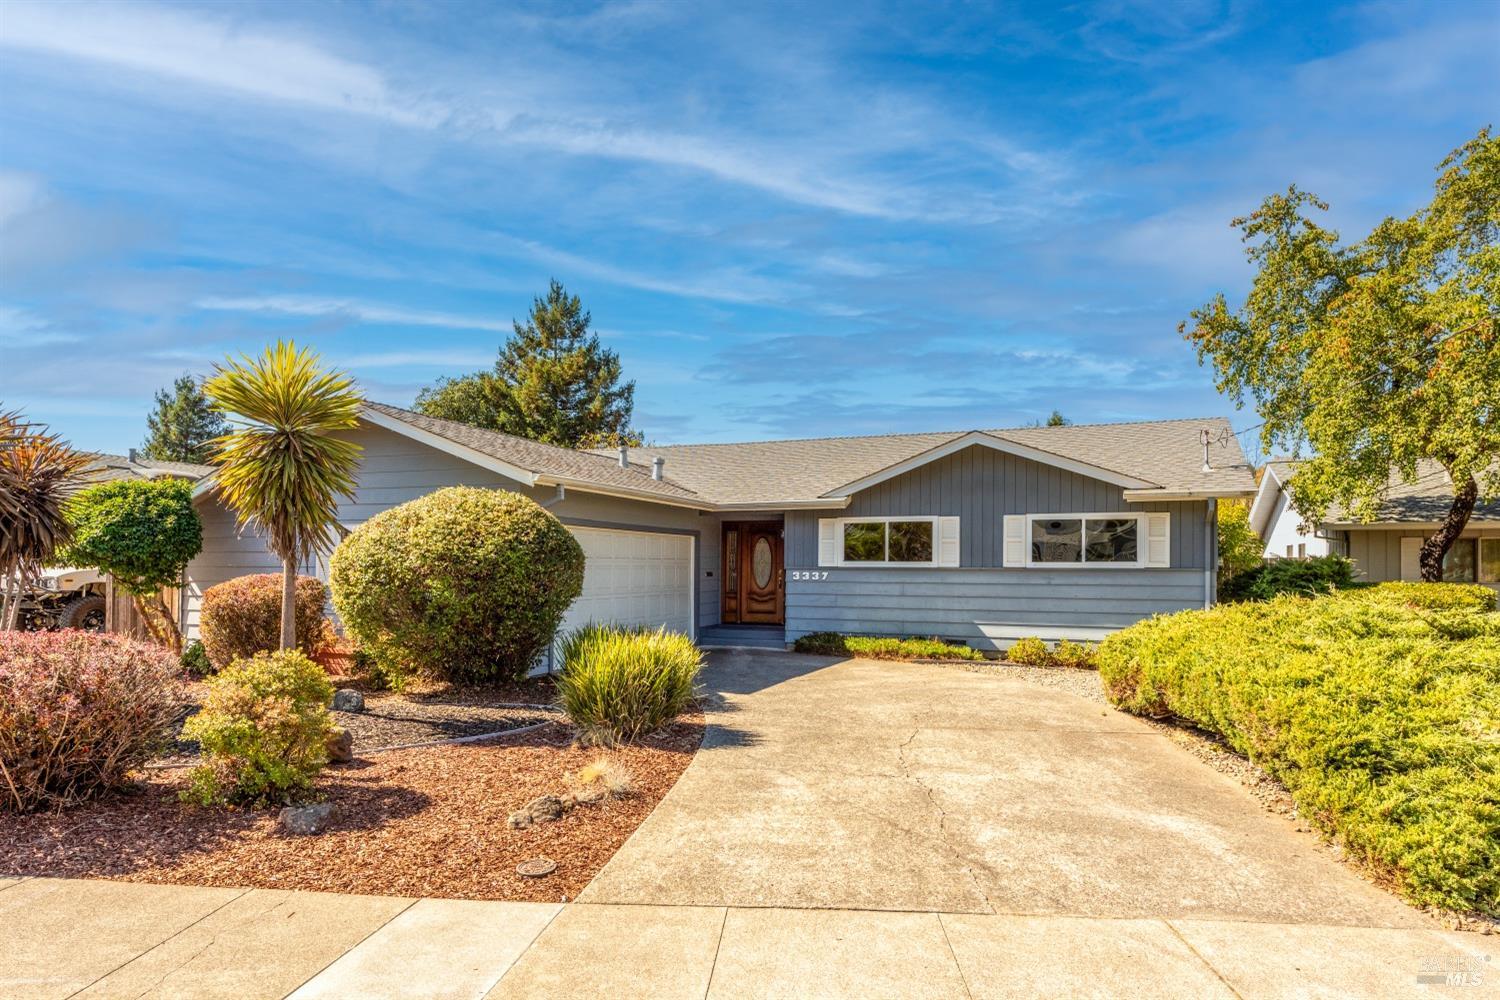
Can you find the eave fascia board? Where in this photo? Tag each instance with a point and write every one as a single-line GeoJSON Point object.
{"type": "Point", "coordinates": [584, 486]}
{"type": "Point", "coordinates": [998, 444]}
{"type": "Point", "coordinates": [1147, 496]}
{"type": "Point", "coordinates": [526, 476]}
{"type": "Point", "coordinates": [816, 503]}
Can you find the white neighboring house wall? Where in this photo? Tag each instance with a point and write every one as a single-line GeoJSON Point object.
{"type": "Point", "coordinates": [1280, 527]}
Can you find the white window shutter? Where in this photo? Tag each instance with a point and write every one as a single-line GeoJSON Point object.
{"type": "Point", "coordinates": [1411, 558]}
{"type": "Point", "coordinates": [1015, 540]}
{"type": "Point", "coordinates": [1158, 539]}
{"type": "Point", "coordinates": [947, 553]}
{"type": "Point", "coordinates": [828, 541]}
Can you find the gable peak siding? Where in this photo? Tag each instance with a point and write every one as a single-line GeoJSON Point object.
{"type": "Point", "coordinates": [980, 486]}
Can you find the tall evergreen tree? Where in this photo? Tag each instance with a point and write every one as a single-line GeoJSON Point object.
{"type": "Point", "coordinates": [552, 382]}
{"type": "Point", "coordinates": [182, 425]}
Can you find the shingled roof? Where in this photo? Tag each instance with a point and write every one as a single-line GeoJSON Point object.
{"type": "Point", "coordinates": [1424, 500]}
{"type": "Point", "coordinates": [1162, 455]}
{"type": "Point", "coordinates": [107, 468]}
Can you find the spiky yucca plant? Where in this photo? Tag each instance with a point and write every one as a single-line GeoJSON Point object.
{"type": "Point", "coordinates": [282, 470]}
{"type": "Point", "coordinates": [39, 473]}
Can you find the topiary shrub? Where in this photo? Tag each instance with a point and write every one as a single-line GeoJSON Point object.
{"type": "Point", "coordinates": [264, 731]}
{"type": "Point", "coordinates": [618, 683]}
{"type": "Point", "coordinates": [464, 584]}
{"type": "Point", "coordinates": [78, 712]}
{"type": "Point", "coordinates": [242, 617]}
{"type": "Point", "coordinates": [1030, 651]}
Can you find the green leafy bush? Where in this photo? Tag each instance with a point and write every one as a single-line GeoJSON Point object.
{"type": "Point", "coordinates": [195, 660]}
{"type": "Point", "coordinates": [618, 683]}
{"type": "Point", "coordinates": [463, 584]}
{"type": "Point", "coordinates": [1319, 575]}
{"type": "Point", "coordinates": [242, 617]}
{"type": "Point", "coordinates": [1072, 654]}
{"type": "Point", "coordinates": [78, 712]}
{"type": "Point", "coordinates": [1378, 714]}
{"type": "Point", "coordinates": [142, 534]}
{"type": "Point", "coordinates": [264, 731]}
{"type": "Point", "coordinates": [883, 647]}
{"type": "Point", "coordinates": [1434, 596]}
{"type": "Point", "coordinates": [1030, 651]}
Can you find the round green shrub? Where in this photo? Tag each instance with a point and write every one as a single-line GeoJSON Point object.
{"type": "Point", "coordinates": [464, 584]}
{"type": "Point", "coordinates": [620, 683]}
{"type": "Point", "coordinates": [242, 617]}
{"type": "Point", "coordinates": [264, 731]}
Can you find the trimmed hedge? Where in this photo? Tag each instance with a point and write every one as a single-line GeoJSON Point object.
{"type": "Point", "coordinates": [463, 584]}
{"type": "Point", "coordinates": [264, 731]}
{"type": "Point", "coordinates": [620, 683]}
{"type": "Point", "coordinates": [242, 617]}
{"type": "Point", "coordinates": [1378, 708]}
{"type": "Point", "coordinates": [883, 647]}
{"type": "Point", "coordinates": [78, 712]}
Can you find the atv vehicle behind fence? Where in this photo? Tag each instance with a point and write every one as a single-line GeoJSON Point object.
{"type": "Point", "coordinates": [65, 598]}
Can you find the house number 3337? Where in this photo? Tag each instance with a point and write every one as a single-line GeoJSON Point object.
{"type": "Point", "coordinates": [809, 574]}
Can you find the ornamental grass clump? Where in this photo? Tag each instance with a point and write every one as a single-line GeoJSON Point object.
{"type": "Point", "coordinates": [618, 684]}
{"type": "Point", "coordinates": [264, 731]}
{"type": "Point", "coordinates": [78, 712]}
{"type": "Point", "coordinates": [1380, 714]}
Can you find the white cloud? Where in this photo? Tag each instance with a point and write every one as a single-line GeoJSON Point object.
{"type": "Point", "coordinates": [364, 312]}
{"type": "Point", "coordinates": [19, 194]}
{"type": "Point", "coordinates": [214, 52]}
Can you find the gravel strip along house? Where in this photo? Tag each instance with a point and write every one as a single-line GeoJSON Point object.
{"type": "Point", "coordinates": [978, 536]}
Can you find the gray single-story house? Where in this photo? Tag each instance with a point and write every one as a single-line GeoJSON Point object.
{"type": "Point", "coordinates": [1389, 547]}
{"type": "Point", "coordinates": [976, 536]}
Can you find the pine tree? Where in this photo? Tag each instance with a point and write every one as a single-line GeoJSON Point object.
{"type": "Point", "coordinates": [182, 425]}
{"type": "Point", "coordinates": [552, 382]}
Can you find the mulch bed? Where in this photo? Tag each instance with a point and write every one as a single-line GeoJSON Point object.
{"type": "Point", "coordinates": [419, 822]}
{"type": "Point", "coordinates": [417, 715]}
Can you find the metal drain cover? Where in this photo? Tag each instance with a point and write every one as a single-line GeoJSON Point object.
{"type": "Point", "coordinates": [536, 867]}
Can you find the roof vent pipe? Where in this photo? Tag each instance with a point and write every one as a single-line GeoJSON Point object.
{"type": "Point", "coordinates": [1206, 436]}
{"type": "Point", "coordinates": [624, 456]}
{"type": "Point", "coordinates": [656, 466]}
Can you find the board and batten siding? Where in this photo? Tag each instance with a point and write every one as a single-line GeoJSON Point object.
{"type": "Point", "coordinates": [983, 602]}
{"type": "Point", "coordinates": [395, 469]}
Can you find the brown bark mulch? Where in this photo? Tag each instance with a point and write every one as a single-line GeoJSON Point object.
{"type": "Point", "coordinates": [420, 822]}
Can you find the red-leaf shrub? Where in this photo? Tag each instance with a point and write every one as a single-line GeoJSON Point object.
{"type": "Point", "coordinates": [242, 617]}
{"type": "Point", "coordinates": [78, 711]}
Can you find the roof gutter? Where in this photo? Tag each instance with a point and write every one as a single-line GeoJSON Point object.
{"type": "Point", "coordinates": [1147, 496]}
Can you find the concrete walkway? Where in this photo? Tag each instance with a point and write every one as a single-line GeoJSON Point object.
{"type": "Point", "coordinates": [850, 829]}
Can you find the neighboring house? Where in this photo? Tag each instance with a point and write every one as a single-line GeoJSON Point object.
{"type": "Point", "coordinates": [1389, 547]}
{"type": "Point", "coordinates": [107, 468]}
{"type": "Point", "coordinates": [977, 536]}
{"type": "Point", "coordinates": [1272, 518]}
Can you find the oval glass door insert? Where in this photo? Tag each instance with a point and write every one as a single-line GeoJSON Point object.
{"type": "Point", "coordinates": [760, 563]}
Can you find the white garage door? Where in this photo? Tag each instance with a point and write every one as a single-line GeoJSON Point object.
{"type": "Point", "coordinates": [634, 578]}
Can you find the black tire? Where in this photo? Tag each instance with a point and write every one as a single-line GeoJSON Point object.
{"type": "Point", "coordinates": [84, 612]}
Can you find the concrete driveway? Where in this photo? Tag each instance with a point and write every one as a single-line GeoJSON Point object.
{"type": "Point", "coordinates": [893, 786]}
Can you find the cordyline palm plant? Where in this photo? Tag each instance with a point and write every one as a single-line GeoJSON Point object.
{"type": "Point", "coordinates": [281, 467]}
{"type": "Point", "coordinates": [39, 473]}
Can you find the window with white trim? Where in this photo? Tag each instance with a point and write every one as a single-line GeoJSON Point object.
{"type": "Point", "coordinates": [1106, 539]}
{"type": "Point", "coordinates": [912, 541]}
{"type": "Point", "coordinates": [888, 541]}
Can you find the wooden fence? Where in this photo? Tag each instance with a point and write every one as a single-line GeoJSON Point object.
{"type": "Point", "coordinates": [121, 616]}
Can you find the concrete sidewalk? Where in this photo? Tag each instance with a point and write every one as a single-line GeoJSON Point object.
{"type": "Point", "coordinates": [110, 939]}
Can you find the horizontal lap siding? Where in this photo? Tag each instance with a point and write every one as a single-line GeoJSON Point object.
{"type": "Point", "coordinates": [980, 486]}
{"type": "Point", "coordinates": [394, 470]}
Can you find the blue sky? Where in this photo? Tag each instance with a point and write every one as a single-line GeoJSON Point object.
{"type": "Point", "coordinates": [789, 220]}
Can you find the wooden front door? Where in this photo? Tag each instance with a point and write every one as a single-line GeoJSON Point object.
{"type": "Point", "coordinates": [754, 580]}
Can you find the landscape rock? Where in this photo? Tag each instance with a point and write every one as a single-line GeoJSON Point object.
{"type": "Point", "coordinates": [348, 700]}
{"type": "Point", "coordinates": [542, 809]}
{"type": "Point", "coordinates": [306, 820]}
{"type": "Point", "coordinates": [340, 745]}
